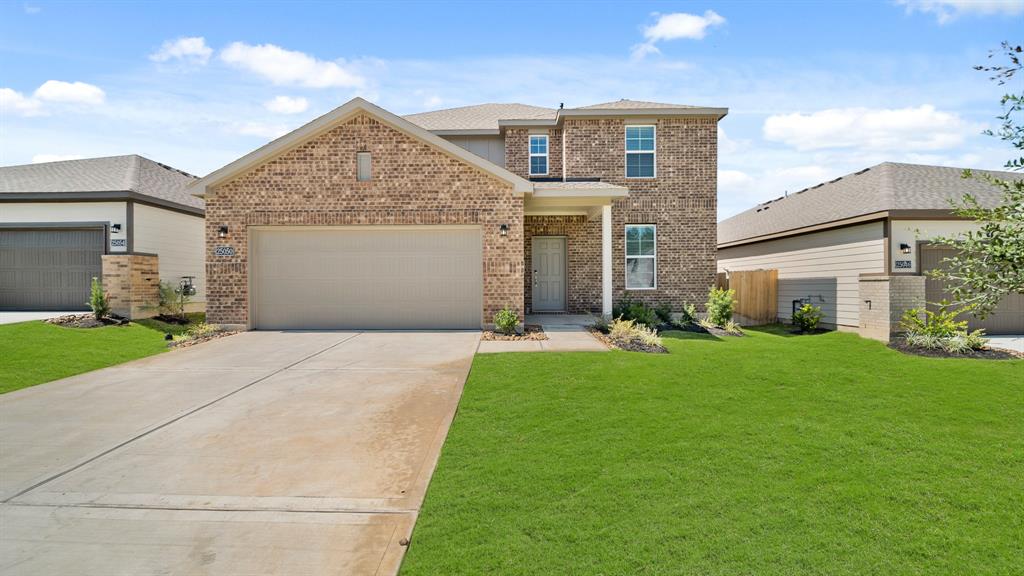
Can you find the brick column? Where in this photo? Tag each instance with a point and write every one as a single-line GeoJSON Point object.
{"type": "Point", "coordinates": [132, 284]}
{"type": "Point", "coordinates": [884, 299]}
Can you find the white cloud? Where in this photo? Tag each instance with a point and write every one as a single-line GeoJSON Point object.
{"type": "Point", "coordinates": [31, 9]}
{"type": "Point", "coordinates": [287, 105]}
{"type": "Point", "coordinates": [948, 10]}
{"type": "Point", "coordinates": [72, 92]}
{"type": "Point", "coordinates": [920, 128]}
{"type": "Point", "coordinates": [675, 26]}
{"type": "Point", "coordinates": [40, 158]}
{"type": "Point", "coordinates": [190, 49]}
{"type": "Point", "coordinates": [289, 67]}
{"type": "Point", "coordinates": [262, 129]}
{"type": "Point", "coordinates": [15, 102]}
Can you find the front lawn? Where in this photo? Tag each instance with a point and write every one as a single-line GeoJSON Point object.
{"type": "Point", "coordinates": [766, 454]}
{"type": "Point", "coordinates": [35, 352]}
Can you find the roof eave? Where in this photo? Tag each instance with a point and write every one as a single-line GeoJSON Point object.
{"type": "Point", "coordinates": [717, 113]}
{"type": "Point", "coordinates": [99, 196]}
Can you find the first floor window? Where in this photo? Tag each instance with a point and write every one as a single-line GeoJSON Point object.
{"type": "Point", "coordinates": [538, 155]}
{"type": "Point", "coordinates": [641, 256]}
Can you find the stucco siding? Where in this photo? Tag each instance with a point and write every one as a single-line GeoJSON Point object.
{"type": "Point", "coordinates": [178, 239]}
{"type": "Point", "coordinates": [823, 266]}
{"type": "Point", "coordinates": [53, 212]}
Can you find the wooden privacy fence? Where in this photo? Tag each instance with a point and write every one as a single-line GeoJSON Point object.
{"type": "Point", "coordinates": [757, 294]}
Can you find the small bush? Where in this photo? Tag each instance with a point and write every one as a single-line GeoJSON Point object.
{"type": "Point", "coordinates": [942, 324]}
{"type": "Point", "coordinates": [629, 331]}
{"type": "Point", "coordinates": [720, 306]}
{"type": "Point", "coordinates": [98, 300]}
{"type": "Point", "coordinates": [733, 328]}
{"type": "Point", "coordinates": [706, 324]}
{"type": "Point", "coordinates": [807, 317]}
{"type": "Point", "coordinates": [688, 314]}
{"type": "Point", "coordinates": [601, 324]}
{"type": "Point", "coordinates": [639, 312]}
{"type": "Point", "coordinates": [664, 313]}
{"type": "Point", "coordinates": [506, 321]}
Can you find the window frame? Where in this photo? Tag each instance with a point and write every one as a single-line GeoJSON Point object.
{"type": "Point", "coordinates": [652, 257]}
{"type": "Point", "coordinates": [546, 155]}
{"type": "Point", "coordinates": [627, 152]}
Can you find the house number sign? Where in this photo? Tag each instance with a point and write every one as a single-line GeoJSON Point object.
{"type": "Point", "coordinates": [903, 263]}
{"type": "Point", "coordinates": [224, 251]}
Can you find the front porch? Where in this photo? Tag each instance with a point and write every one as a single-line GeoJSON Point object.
{"type": "Point", "coordinates": [568, 247]}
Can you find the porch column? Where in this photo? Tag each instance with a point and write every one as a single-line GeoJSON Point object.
{"type": "Point", "coordinates": [606, 260]}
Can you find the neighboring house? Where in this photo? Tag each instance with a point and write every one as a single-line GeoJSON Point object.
{"type": "Point", "coordinates": [126, 219]}
{"type": "Point", "coordinates": [364, 219]}
{"type": "Point", "coordinates": [857, 246]}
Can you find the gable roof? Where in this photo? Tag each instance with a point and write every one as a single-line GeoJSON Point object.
{"type": "Point", "coordinates": [887, 187]}
{"type": "Point", "coordinates": [479, 117]}
{"type": "Point", "coordinates": [338, 116]}
{"type": "Point", "coordinates": [113, 177]}
{"type": "Point", "coordinates": [488, 119]}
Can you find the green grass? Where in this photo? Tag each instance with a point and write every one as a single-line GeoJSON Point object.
{"type": "Point", "coordinates": [36, 352]}
{"type": "Point", "coordinates": [766, 454]}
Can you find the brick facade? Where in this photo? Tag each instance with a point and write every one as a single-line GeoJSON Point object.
{"type": "Point", "coordinates": [884, 299]}
{"type": "Point", "coordinates": [681, 200]}
{"type": "Point", "coordinates": [315, 184]}
{"type": "Point", "coordinates": [583, 244]}
{"type": "Point", "coordinates": [517, 151]}
{"type": "Point", "coordinates": [132, 284]}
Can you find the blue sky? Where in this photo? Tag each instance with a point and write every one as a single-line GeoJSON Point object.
{"type": "Point", "coordinates": [815, 90]}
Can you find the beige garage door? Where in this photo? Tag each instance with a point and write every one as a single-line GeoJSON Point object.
{"type": "Point", "coordinates": [368, 278]}
{"type": "Point", "coordinates": [1008, 317]}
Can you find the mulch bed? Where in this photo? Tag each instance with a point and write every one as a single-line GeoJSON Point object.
{"type": "Point", "coordinates": [798, 332]}
{"type": "Point", "coordinates": [698, 329]}
{"type": "Point", "coordinates": [627, 346]}
{"type": "Point", "coordinates": [530, 332]}
{"type": "Point", "coordinates": [179, 320]}
{"type": "Point", "coordinates": [192, 341]}
{"type": "Point", "coordinates": [86, 321]}
{"type": "Point", "coordinates": [901, 345]}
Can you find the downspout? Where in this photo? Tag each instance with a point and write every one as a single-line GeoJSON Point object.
{"type": "Point", "coordinates": [564, 137]}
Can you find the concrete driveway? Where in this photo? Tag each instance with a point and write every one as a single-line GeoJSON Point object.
{"type": "Point", "coordinates": [261, 453]}
{"type": "Point", "coordinates": [13, 317]}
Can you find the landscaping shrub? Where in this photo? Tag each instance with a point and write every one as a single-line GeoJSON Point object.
{"type": "Point", "coordinates": [688, 314]}
{"type": "Point", "coordinates": [720, 306]}
{"type": "Point", "coordinates": [940, 331]}
{"type": "Point", "coordinates": [506, 321]}
{"type": "Point", "coordinates": [628, 332]}
{"type": "Point", "coordinates": [98, 300]}
{"type": "Point", "coordinates": [807, 317]}
{"type": "Point", "coordinates": [664, 313]}
{"type": "Point", "coordinates": [639, 312]}
{"type": "Point", "coordinates": [732, 327]}
{"type": "Point", "coordinates": [172, 300]}
{"type": "Point", "coordinates": [601, 324]}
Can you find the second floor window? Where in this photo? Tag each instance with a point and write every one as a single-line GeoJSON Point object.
{"type": "Point", "coordinates": [640, 152]}
{"type": "Point", "coordinates": [538, 155]}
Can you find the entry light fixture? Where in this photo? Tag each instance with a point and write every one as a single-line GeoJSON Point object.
{"type": "Point", "coordinates": [503, 229]}
{"type": "Point", "coordinates": [115, 227]}
{"type": "Point", "coordinates": [905, 248]}
{"type": "Point", "coordinates": [222, 232]}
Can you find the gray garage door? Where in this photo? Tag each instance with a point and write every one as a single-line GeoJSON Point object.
{"type": "Point", "coordinates": [368, 278]}
{"type": "Point", "coordinates": [1008, 317]}
{"type": "Point", "coordinates": [48, 269]}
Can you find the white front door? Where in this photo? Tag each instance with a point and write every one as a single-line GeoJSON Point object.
{"type": "Point", "coordinates": [549, 264]}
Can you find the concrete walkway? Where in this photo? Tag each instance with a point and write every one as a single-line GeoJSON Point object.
{"type": "Point", "coordinates": [565, 332]}
{"type": "Point", "coordinates": [1011, 342]}
{"type": "Point", "coordinates": [261, 453]}
{"type": "Point", "coordinates": [13, 317]}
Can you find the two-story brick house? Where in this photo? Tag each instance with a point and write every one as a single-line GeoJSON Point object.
{"type": "Point", "coordinates": [364, 219]}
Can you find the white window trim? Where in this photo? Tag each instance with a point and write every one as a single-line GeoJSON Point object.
{"type": "Point", "coordinates": [654, 257]}
{"type": "Point", "coordinates": [546, 154]}
{"type": "Point", "coordinates": [627, 152]}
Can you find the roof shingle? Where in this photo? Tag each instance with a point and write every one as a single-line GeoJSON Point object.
{"type": "Point", "coordinates": [887, 186]}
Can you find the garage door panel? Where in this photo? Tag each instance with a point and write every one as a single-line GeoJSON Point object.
{"type": "Point", "coordinates": [385, 278]}
{"type": "Point", "coordinates": [1008, 317]}
{"type": "Point", "coordinates": [48, 269]}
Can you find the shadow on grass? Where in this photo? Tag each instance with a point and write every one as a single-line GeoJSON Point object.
{"type": "Point", "coordinates": [686, 335]}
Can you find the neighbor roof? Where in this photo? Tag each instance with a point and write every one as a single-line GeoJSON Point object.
{"type": "Point", "coordinates": [489, 118]}
{"type": "Point", "coordinates": [883, 188]}
{"type": "Point", "coordinates": [112, 177]}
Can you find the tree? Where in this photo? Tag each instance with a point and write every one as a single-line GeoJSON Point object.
{"type": "Point", "coordinates": [990, 260]}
